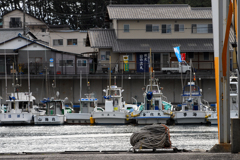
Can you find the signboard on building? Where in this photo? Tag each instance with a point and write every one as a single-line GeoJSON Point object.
{"type": "Point", "coordinates": [126, 64]}
{"type": "Point", "coordinates": [142, 62]}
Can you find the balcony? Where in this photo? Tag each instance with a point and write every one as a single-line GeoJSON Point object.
{"type": "Point", "coordinates": [100, 71]}
{"type": "Point", "coordinates": [15, 24]}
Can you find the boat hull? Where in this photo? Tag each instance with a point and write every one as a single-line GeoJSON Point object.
{"type": "Point", "coordinates": [110, 118]}
{"type": "Point", "coordinates": [15, 118]}
{"type": "Point", "coordinates": [49, 120]}
{"type": "Point", "coordinates": [152, 116]}
{"type": "Point", "coordinates": [78, 118]}
{"type": "Point", "coordinates": [190, 117]}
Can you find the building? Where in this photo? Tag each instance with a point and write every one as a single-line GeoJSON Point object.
{"type": "Point", "coordinates": [15, 20]}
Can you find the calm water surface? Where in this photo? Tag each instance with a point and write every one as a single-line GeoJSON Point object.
{"type": "Point", "coordinates": [92, 138]}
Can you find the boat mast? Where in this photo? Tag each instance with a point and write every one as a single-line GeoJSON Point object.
{"type": "Point", "coordinates": [80, 89]}
{"type": "Point", "coordinates": [109, 74]}
{"type": "Point", "coordinates": [28, 81]}
{"type": "Point", "coordinates": [190, 78]}
{"type": "Point", "coordinates": [151, 74]}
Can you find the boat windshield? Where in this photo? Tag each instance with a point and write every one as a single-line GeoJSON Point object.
{"type": "Point", "coordinates": [194, 90]}
{"type": "Point", "coordinates": [233, 88]}
{"type": "Point", "coordinates": [114, 92]}
{"type": "Point", "coordinates": [154, 89]}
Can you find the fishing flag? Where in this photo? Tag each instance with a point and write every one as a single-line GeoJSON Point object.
{"type": "Point", "coordinates": [177, 52]}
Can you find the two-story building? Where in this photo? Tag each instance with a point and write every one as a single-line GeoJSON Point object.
{"type": "Point", "coordinates": [15, 20]}
{"type": "Point", "coordinates": [135, 29]}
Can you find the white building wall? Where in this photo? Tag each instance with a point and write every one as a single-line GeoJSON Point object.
{"type": "Point", "coordinates": [138, 29]}
{"type": "Point", "coordinates": [65, 35]}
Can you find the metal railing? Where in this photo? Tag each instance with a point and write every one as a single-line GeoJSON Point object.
{"type": "Point", "coordinates": [15, 24]}
{"type": "Point", "coordinates": [94, 68]}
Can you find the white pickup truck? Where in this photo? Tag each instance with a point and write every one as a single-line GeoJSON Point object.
{"type": "Point", "coordinates": [183, 67]}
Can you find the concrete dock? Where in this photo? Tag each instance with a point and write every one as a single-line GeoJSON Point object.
{"type": "Point", "coordinates": [117, 155]}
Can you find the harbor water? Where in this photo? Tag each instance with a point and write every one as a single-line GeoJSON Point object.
{"type": "Point", "coordinates": [15, 139]}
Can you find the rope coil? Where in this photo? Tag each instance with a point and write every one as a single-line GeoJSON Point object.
{"type": "Point", "coordinates": [151, 137]}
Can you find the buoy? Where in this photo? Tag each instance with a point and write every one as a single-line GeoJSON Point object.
{"type": "Point", "coordinates": [92, 121]}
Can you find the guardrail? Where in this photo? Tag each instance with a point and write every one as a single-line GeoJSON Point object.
{"type": "Point", "coordinates": [93, 68]}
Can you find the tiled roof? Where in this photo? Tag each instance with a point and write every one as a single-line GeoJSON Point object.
{"type": "Point", "coordinates": [102, 38]}
{"type": "Point", "coordinates": [168, 11]}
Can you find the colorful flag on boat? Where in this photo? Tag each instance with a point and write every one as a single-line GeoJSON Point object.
{"type": "Point", "coordinates": [177, 52]}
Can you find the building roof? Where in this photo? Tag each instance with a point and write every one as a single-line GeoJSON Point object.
{"type": "Point", "coordinates": [31, 42]}
{"type": "Point", "coordinates": [158, 11]}
{"type": "Point", "coordinates": [106, 38]}
{"type": "Point", "coordinates": [102, 38]}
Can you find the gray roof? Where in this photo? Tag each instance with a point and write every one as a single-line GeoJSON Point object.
{"type": "Point", "coordinates": [167, 11]}
{"type": "Point", "coordinates": [103, 38]}
{"type": "Point", "coordinates": [9, 33]}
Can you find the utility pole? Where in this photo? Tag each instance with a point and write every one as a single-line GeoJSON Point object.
{"type": "Point", "coordinates": [24, 31]}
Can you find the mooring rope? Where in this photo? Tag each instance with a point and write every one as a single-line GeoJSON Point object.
{"type": "Point", "coordinates": [151, 137]}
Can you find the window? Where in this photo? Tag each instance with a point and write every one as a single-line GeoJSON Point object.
{"type": "Point", "coordinates": [84, 42]}
{"type": "Point", "coordinates": [105, 55]}
{"type": "Point", "coordinates": [72, 42]}
{"type": "Point", "coordinates": [190, 55]}
{"type": "Point", "coordinates": [81, 63]}
{"type": "Point", "coordinates": [126, 27]}
{"type": "Point", "coordinates": [152, 28]}
{"type": "Point", "coordinates": [15, 22]}
{"type": "Point", "coordinates": [130, 57]}
{"type": "Point", "coordinates": [43, 29]}
{"type": "Point", "coordinates": [155, 28]}
{"type": "Point", "coordinates": [179, 27]}
{"type": "Point", "coordinates": [202, 28]}
{"type": "Point", "coordinates": [148, 28]}
{"type": "Point", "coordinates": [166, 28]}
{"type": "Point", "coordinates": [206, 56]}
{"type": "Point", "coordinates": [210, 29]}
{"type": "Point", "coordinates": [67, 63]}
{"type": "Point", "coordinates": [57, 42]}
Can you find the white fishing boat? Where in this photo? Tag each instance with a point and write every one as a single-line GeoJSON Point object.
{"type": "Point", "coordinates": [87, 106]}
{"type": "Point", "coordinates": [55, 112]}
{"type": "Point", "coordinates": [115, 111]}
{"type": "Point", "coordinates": [20, 109]}
{"type": "Point", "coordinates": [156, 108]}
{"type": "Point", "coordinates": [212, 114]}
{"type": "Point", "coordinates": [193, 106]}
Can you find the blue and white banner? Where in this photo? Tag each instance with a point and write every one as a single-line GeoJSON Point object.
{"type": "Point", "coordinates": [177, 52]}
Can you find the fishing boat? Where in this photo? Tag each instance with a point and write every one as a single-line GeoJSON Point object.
{"type": "Point", "coordinates": [87, 106]}
{"type": "Point", "coordinates": [55, 112]}
{"type": "Point", "coordinates": [115, 111]}
{"type": "Point", "coordinates": [212, 114]}
{"type": "Point", "coordinates": [156, 108]}
{"type": "Point", "coordinates": [20, 109]}
{"type": "Point", "coordinates": [193, 106]}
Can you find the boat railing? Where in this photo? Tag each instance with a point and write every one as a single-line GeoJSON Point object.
{"type": "Point", "coordinates": [164, 98]}
{"type": "Point", "coordinates": [205, 103]}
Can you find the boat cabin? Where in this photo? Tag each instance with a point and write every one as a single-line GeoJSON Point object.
{"type": "Point", "coordinates": [113, 98]}
{"type": "Point", "coordinates": [87, 105]}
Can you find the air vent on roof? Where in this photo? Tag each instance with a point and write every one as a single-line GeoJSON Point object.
{"type": "Point", "coordinates": [35, 46]}
{"type": "Point", "coordinates": [207, 44]}
{"type": "Point", "coordinates": [192, 44]}
{"type": "Point", "coordinates": [19, 40]}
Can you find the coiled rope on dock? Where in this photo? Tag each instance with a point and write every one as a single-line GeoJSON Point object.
{"type": "Point", "coordinates": [151, 137]}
